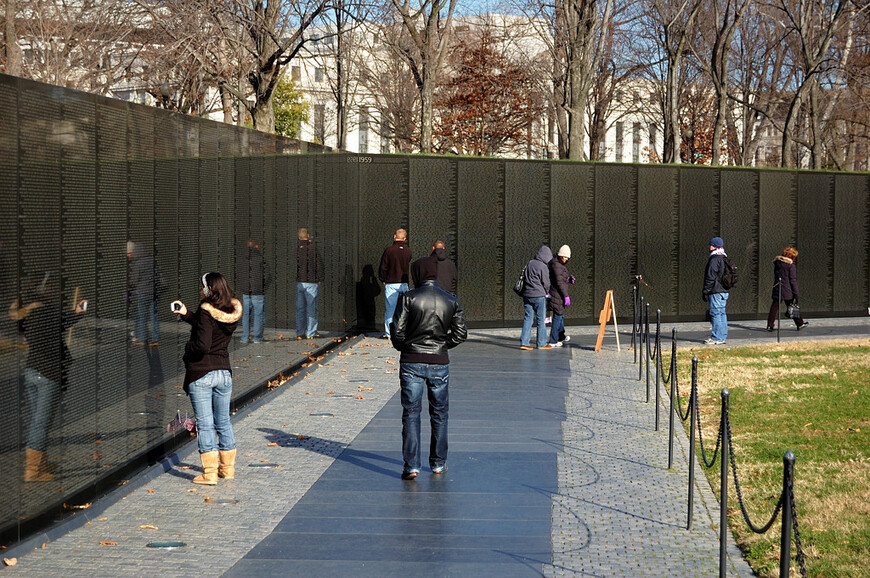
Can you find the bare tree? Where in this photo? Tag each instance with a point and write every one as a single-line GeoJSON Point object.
{"type": "Point", "coordinates": [716, 34]}
{"type": "Point", "coordinates": [813, 24]}
{"type": "Point", "coordinates": [386, 77]}
{"type": "Point", "coordinates": [276, 31]}
{"type": "Point", "coordinates": [79, 44]}
{"type": "Point", "coordinates": [424, 48]}
{"type": "Point", "coordinates": [674, 22]}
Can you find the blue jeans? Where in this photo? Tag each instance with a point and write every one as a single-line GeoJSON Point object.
{"type": "Point", "coordinates": [412, 378]}
{"type": "Point", "coordinates": [557, 328]}
{"type": "Point", "coordinates": [535, 307]}
{"type": "Point", "coordinates": [391, 298]}
{"type": "Point", "coordinates": [718, 317]}
{"type": "Point", "coordinates": [210, 396]}
{"type": "Point", "coordinates": [42, 396]}
{"type": "Point", "coordinates": [306, 309]}
{"type": "Point", "coordinates": [146, 310]}
{"type": "Point", "coordinates": [257, 305]}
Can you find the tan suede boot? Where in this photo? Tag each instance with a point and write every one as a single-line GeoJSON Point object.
{"type": "Point", "coordinates": [227, 469]}
{"type": "Point", "coordinates": [209, 475]}
{"type": "Point", "coordinates": [35, 467]}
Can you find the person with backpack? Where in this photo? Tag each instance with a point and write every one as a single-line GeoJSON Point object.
{"type": "Point", "coordinates": [715, 292]}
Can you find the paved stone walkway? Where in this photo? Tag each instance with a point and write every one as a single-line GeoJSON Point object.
{"type": "Point", "coordinates": [617, 510]}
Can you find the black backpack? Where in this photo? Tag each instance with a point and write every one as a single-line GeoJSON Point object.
{"type": "Point", "coordinates": [729, 276]}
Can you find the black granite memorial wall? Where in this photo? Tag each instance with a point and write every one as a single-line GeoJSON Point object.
{"type": "Point", "coordinates": [82, 176]}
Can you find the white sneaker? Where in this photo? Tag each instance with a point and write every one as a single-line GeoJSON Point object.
{"type": "Point", "coordinates": [548, 320]}
{"type": "Point", "coordinates": [557, 344]}
{"type": "Point", "coordinates": [567, 338]}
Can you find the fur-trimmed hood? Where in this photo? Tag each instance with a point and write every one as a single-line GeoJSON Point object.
{"type": "Point", "coordinates": [784, 259]}
{"type": "Point", "coordinates": [223, 316]}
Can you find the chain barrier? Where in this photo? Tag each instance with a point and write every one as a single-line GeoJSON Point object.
{"type": "Point", "coordinates": [753, 527]}
{"type": "Point", "coordinates": [786, 502]}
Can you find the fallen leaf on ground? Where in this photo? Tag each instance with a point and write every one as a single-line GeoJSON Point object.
{"type": "Point", "coordinates": [150, 491]}
{"type": "Point", "coordinates": [108, 543]}
{"type": "Point", "coordinates": [359, 397]}
{"type": "Point", "coordinates": [854, 429]}
{"type": "Point", "coordinates": [101, 519]}
{"type": "Point", "coordinates": [273, 444]}
{"type": "Point", "coordinates": [191, 491]}
{"type": "Point", "coordinates": [10, 561]}
{"type": "Point", "coordinates": [330, 392]}
{"type": "Point", "coordinates": [207, 499]}
{"type": "Point", "coordinates": [148, 527]}
{"type": "Point", "coordinates": [302, 437]}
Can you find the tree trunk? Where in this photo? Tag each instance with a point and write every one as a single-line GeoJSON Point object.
{"type": "Point", "coordinates": [427, 94]}
{"type": "Point", "coordinates": [10, 41]}
{"type": "Point", "coordinates": [226, 104]}
{"type": "Point", "coordinates": [263, 115]}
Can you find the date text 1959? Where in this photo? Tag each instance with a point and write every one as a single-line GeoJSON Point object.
{"type": "Point", "coordinates": [359, 159]}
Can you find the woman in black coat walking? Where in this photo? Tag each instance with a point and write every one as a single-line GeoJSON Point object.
{"type": "Point", "coordinates": [785, 286]}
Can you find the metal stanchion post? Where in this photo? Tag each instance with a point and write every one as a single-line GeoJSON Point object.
{"type": "Point", "coordinates": [634, 320]}
{"type": "Point", "coordinates": [723, 486]}
{"type": "Point", "coordinates": [693, 409]}
{"type": "Point", "coordinates": [646, 355]}
{"type": "Point", "coordinates": [785, 539]}
{"type": "Point", "coordinates": [672, 396]}
{"type": "Point", "coordinates": [640, 345]}
{"type": "Point", "coordinates": [658, 360]}
{"type": "Point", "coordinates": [779, 309]}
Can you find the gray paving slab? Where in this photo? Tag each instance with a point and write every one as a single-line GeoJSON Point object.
{"type": "Point", "coordinates": [614, 507]}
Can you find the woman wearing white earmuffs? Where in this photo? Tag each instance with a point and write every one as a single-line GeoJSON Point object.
{"type": "Point", "coordinates": [208, 376]}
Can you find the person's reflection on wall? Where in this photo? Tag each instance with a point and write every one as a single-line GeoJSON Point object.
{"type": "Point", "coordinates": [144, 284]}
{"type": "Point", "coordinates": [367, 290]}
{"type": "Point", "coordinates": [43, 328]}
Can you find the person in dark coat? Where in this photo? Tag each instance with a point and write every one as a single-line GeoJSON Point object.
{"type": "Point", "coordinates": [446, 268]}
{"type": "Point", "coordinates": [559, 298]}
{"type": "Point", "coordinates": [309, 274]}
{"type": "Point", "coordinates": [252, 278]}
{"type": "Point", "coordinates": [537, 286]}
{"type": "Point", "coordinates": [428, 322]}
{"type": "Point", "coordinates": [208, 377]}
{"type": "Point", "coordinates": [785, 286]}
{"type": "Point", "coordinates": [393, 273]}
{"type": "Point", "coordinates": [714, 293]}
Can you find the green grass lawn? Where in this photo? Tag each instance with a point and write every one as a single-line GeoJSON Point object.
{"type": "Point", "coordinates": [809, 397]}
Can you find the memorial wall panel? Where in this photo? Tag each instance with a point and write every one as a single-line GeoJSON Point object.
{"type": "Point", "coordinates": [738, 217]}
{"type": "Point", "coordinates": [699, 222]}
{"type": "Point", "coordinates": [658, 238]}
{"type": "Point", "coordinates": [480, 248]}
{"type": "Point", "coordinates": [777, 215]}
{"type": "Point", "coordinates": [526, 224]}
{"type": "Point", "coordinates": [815, 240]}
{"type": "Point", "coordinates": [572, 211]}
{"type": "Point", "coordinates": [851, 242]}
{"type": "Point", "coordinates": [615, 235]}
{"type": "Point", "coordinates": [383, 201]}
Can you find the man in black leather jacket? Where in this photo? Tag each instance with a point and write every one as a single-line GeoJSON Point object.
{"type": "Point", "coordinates": [428, 321]}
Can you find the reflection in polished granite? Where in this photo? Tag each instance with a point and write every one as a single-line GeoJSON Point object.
{"type": "Point", "coordinates": [120, 398]}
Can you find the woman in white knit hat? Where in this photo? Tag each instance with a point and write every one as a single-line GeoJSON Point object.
{"type": "Point", "coordinates": [559, 299]}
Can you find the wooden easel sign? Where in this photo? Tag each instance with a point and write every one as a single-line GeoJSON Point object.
{"type": "Point", "coordinates": [605, 315]}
